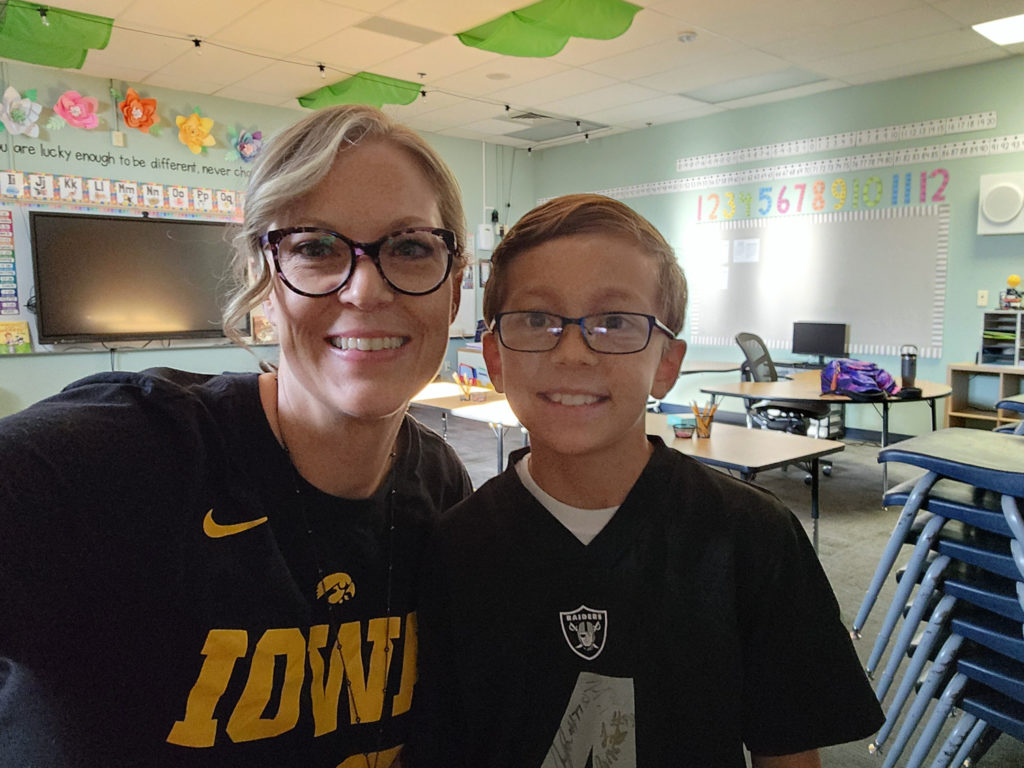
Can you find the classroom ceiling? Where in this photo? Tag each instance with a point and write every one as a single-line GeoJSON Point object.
{"type": "Point", "coordinates": [743, 53]}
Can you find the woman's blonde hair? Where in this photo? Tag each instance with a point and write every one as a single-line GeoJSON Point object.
{"type": "Point", "coordinates": [293, 162]}
{"type": "Point", "coordinates": [584, 214]}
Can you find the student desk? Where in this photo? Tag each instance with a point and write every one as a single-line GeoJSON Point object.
{"type": "Point", "coordinates": [806, 385]}
{"type": "Point", "coordinates": [447, 395]}
{"type": "Point", "coordinates": [708, 366]}
{"type": "Point", "coordinates": [750, 451]}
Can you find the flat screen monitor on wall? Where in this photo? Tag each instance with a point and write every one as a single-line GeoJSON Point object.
{"type": "Point", "coordinates": [821, 339]}
{"type": "Point", "coordinates": [111, 278]}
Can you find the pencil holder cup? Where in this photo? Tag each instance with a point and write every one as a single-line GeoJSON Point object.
{"type": "Point", "coordinates": [703, 427]}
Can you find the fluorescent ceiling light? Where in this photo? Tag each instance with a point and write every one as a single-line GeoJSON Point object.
{"type": "Point", "coordinates": [1002, 31]}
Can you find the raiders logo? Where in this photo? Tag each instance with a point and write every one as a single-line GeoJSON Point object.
{"type": "Point", "coordinates": [585, 630]}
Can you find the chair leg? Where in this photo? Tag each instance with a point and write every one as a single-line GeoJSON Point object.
{"type": "Point", "coordinates": [903, 590]}
{"type": "Point", "coordinates": [911, 622]}
{"type": "Point", "coordinates": [946, 656]}
{"type": "Point", "coordinates": [950, 696]}
{"type": "Point", "coordinates": [929, 638]}
{"type": "Point", "coordinates": [959, 743]}
{"type": "Point", "coordinates": [892, 548]}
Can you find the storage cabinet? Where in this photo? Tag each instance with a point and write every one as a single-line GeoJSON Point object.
{"type": "Point", "coordinates": [977, 389]}
{"type": "Point", "coordinates": [1001, 338]}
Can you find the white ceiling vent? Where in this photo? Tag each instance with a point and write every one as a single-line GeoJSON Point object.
{"type": "Point", "coordinates": [1001, 204]}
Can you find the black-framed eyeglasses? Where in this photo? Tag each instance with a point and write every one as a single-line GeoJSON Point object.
{"type": "Point", "coordinates": [318, 262]}
{"type": "Point", "coordinates": [610, 333]}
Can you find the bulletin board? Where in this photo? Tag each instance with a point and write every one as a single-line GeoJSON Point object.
{"type": "Point", "coordinates": [880, 271]}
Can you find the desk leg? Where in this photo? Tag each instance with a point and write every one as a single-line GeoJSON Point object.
{"type": "Point", "coordinates": [931, 404]}
{"type": "Point", "coordinates": [444, 426]}
{"type": "Point", "coordinates": [885, 442]}
{"type": "Point", "coordinates": [814, 502]}
{"type": "Point", "coordinates": [499, 432]}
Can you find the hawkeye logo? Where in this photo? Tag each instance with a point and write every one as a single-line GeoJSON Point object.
{"type": "Point", "coordinates": [338, 587]}
{"type": "Point", "coordinates": [585, 630]}
{"type": "Point", "coordinates": [216, 530]}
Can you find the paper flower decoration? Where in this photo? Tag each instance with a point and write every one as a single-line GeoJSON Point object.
{"type": "Point", "coordinates": [138, 113]}
{"type": "Point", "coordinates": [194, 132]}
{"type": "Point", "coordinates": [245, 145]}
{"type": "Point", "coordinates": [77, 110]}
{"type": "Point", "coordinates": [19, 114]}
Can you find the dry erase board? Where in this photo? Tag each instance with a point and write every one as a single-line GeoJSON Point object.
{"type": "Point", "coordinates": [883, 272]}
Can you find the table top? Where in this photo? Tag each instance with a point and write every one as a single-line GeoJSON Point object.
{"type": "Point", "coordinates": [448, 395]}
{"type": "Point", "coordinates": [708, 366]}
{"type": "Point", "coordinates": [736, 447]}
{"type": "Point", "coordinates": [806, 385]}
{"type": "Point", "coordinates": [493, 412]}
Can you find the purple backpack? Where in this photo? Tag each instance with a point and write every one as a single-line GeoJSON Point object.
{"type": "Point", "coordinates": [857, 379]}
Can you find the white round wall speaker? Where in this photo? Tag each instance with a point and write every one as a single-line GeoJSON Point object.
{"type": "Point", "coordinates": [1002, 203]}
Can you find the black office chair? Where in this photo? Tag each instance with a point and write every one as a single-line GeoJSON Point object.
{"type": "Point", "coordinates": [793, 417]}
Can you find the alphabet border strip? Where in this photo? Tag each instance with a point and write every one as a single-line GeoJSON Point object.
{"type": "Point", "coordinates": [118, 193]}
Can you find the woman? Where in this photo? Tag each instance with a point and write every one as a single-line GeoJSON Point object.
{"type": "Point", "coordinates": [218, 570]}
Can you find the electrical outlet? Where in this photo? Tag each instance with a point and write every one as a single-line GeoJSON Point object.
{"type": "Point", "coordinates": [982, 298]}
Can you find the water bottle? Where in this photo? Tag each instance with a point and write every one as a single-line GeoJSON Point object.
{"type": "Point", "coordinates": [908, 364]}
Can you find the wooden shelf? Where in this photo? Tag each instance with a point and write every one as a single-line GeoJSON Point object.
{"type": "Point", "coordinates": [960, 412]}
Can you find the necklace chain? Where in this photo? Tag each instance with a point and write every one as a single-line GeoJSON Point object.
{"type": "Point", "coordinates": [321, 575]}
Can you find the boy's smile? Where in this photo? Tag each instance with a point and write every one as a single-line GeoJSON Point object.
{"type": "Point", "coordinates": [575, 402]}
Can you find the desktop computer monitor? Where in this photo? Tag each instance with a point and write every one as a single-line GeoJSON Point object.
{"type": "Point", "coordinates": [821, 339]}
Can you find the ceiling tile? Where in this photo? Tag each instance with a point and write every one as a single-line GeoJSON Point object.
{"type": "Point", "coordinates": [659, 110]}
{"type": "Point", "coordinates": [648, 27]}
{"type": "Point", "coordinates": [558, 86]}
{"type": "Point", "coordinates": [784, 94]}
{"type": "Point", "coordinates": [976, 11]}
{"type": "Point", "coordinates": [437, 60]}
{"type": "Point", "coordinates": [136, 50]}
{"type": "Point", "coordinates": [451, 16]}
{"type": "Point", "coordinates": [283, 26]}
{"type": "Point", "coordinates": [933, 65]}
{"type": "Point", "coordinates": [753, 23]}
{"type": "Point", "coordinates": [282, 78]}
{"type": "Point", "coordinates": [239, 93]}
{"type": "Point", "coordinates": [861, 35]}
{"type": "Point", "coordinates": [474, 81]}
{"type": "Point", "coordinates": [716, 69]}
{"type": "Point", "coordinates": [904, 52]}
{"type": "Point", "coordinates": [354, 50]}
{"type": "Point", "coordinates": [193, 18]}
{"type": "Point", "coordinates": [215, 66]}
{"type": "Point", "coordinates": [601, 98]}
{"type": "Point", "coordinates": [663, 56]}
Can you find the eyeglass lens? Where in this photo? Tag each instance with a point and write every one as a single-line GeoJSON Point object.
{"type": "Point", "coordinates": [609, 332]}
{"type": "Point", "coordinates": [319, 262]}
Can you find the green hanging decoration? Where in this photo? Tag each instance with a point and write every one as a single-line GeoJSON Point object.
{"type": "Point", "coordinates": [543, 29]}
{"type": "Point", "coordinates": [363, 88]}
{"type": "Point", "coordinates": [53, 37]}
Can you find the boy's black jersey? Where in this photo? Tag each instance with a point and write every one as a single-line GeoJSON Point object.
{"type": "Point", "coordinates": [698, 621]}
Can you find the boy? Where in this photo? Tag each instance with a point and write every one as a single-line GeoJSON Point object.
{"type": "Point", "coordinates": [607, 601]}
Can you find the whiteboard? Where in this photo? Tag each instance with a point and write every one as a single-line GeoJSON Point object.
{"type": "Point", "coordinates": [882, 272]}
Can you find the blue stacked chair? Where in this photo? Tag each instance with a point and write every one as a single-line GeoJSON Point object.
{"type": "Point", "coordinates": [968, 567]}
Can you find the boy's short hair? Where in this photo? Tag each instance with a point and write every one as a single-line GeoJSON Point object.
{"type": "Point", "coordinates": [586, 214]}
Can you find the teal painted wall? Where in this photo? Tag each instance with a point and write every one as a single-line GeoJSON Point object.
{"type": "Point", "coordinates": [975, 262]}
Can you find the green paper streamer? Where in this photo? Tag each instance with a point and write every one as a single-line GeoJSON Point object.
{"type": "Point", "coordinates": [63, 42]}
{"type": "Point", "coordinates": [543, 29]}
{"type": "Point", "coordinates": [362, 88]}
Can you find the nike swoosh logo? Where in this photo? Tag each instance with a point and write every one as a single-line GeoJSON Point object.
{"type": "Point", "coordinates": [215, 530]}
